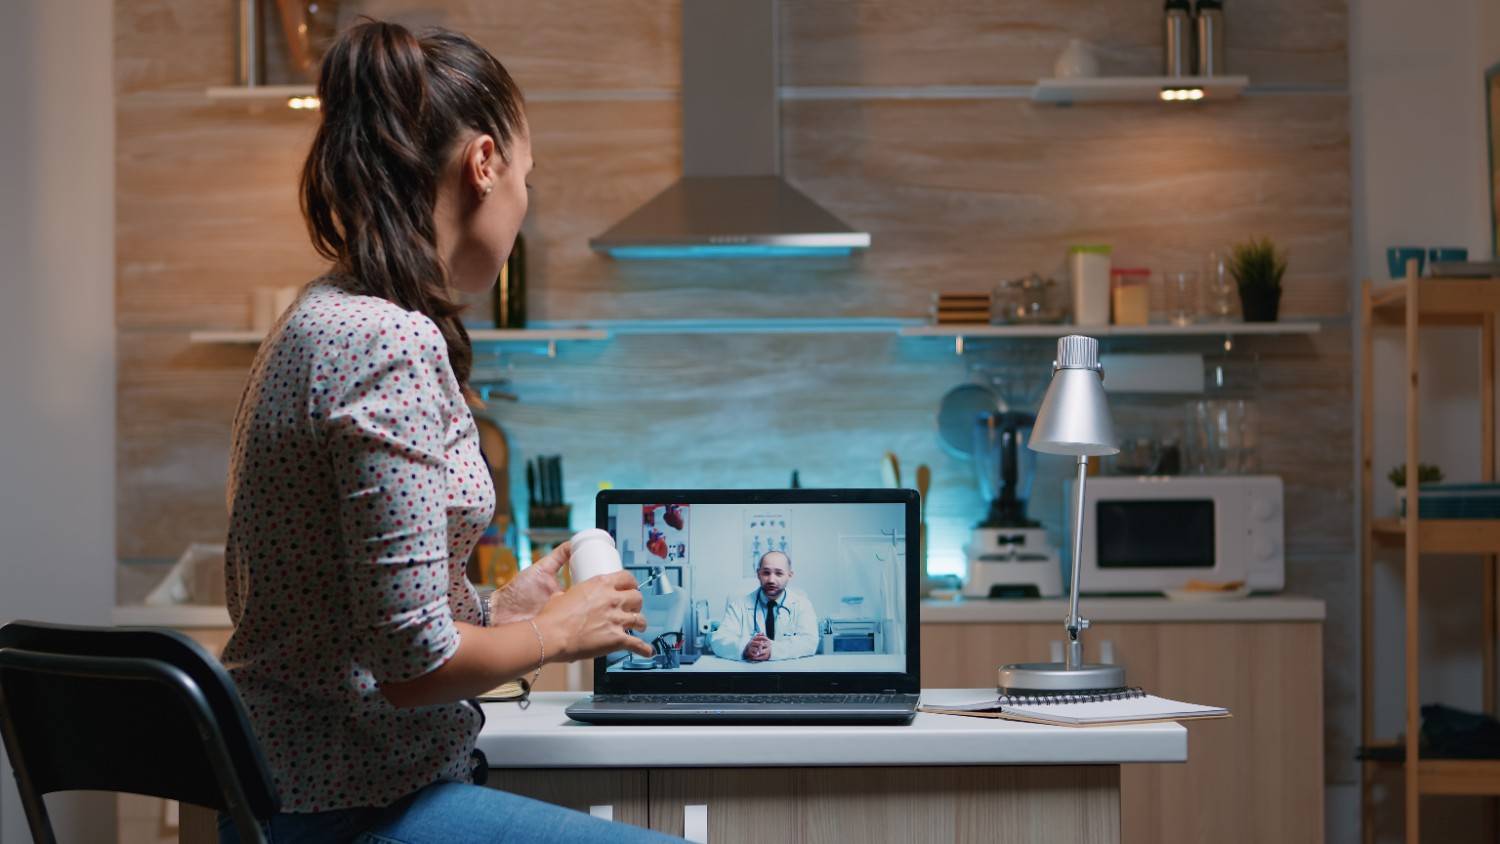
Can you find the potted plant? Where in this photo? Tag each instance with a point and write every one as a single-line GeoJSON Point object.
{"type": "Point", "coordinates": [1257, 267]}
{"type": "Point", "coordinates": [1426, 474]}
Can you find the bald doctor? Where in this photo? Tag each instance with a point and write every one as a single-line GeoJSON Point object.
{"type": "Point", "coordinates": [773, 622]}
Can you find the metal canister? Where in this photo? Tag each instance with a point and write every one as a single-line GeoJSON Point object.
{"type": "Point", "coordinates": [1210, 38]}
{"type": "Point", "coordinates": [1177, 44]}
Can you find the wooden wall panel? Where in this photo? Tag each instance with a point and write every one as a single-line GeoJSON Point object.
{"type": "Point", "coordinates": [206, 210]}
{"type": "Point", "coordinates": [1014, 42]}
{"type": "Point", "coordinates": [959, 194]}
{"type": "Point", "coordinates": [563, 45]}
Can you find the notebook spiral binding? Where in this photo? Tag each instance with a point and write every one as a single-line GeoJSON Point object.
{"type": "Point", "coordinates": [1066, 697]}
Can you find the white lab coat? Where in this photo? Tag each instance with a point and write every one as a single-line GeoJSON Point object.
{"type": "Point", "coordinates": [744, 617]}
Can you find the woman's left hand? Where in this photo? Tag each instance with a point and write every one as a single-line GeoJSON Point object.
{"type": "Point", "coordinates": [524, 597]}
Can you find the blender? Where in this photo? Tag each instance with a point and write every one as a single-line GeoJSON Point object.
{"type": "Point", "coordinates": [1009, 555]}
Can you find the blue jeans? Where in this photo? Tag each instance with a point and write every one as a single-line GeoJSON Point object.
{"type": "Point", "coordinates": [449, 813]}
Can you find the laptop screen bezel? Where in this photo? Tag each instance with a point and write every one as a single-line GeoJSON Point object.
{"type": "Point", "coordinates": [656, 682]}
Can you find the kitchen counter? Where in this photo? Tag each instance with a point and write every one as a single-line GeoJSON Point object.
{"type": "Point", "coordinates": [541, 736]}
{"type": "Point", "coordinates": [1137, 609]}
{"type": "Point", "coordinates": [1146, 609]}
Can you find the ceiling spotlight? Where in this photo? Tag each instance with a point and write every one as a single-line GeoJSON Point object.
{"type": "Point", "coordinates": [1181, 94]}
{"type": "Point", "coordinates": [301, 103]}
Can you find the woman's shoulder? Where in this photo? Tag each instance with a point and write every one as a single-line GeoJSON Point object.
{"type": "Point", "coordinates": [346, 320]}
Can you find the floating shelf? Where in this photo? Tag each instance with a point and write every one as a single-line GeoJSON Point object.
{"type": "Point", "coordinates": [1443, 536]}
{"type": "Point", "coordinates": [478, 335]}
{"type": "Point", "coordinates": [1119, 89]}
{"type": "Point", "coordinates": [605, 329]}
{"type": "Point", "coordinates": [1201, 329]}
{"type": "Point", "coordinates": [268, 93]}
{"type": "Point", "coordinates": [807, 325]}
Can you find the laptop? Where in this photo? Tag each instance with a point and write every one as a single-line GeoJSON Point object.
{"type": "Point", "coordinates": [787, 605]}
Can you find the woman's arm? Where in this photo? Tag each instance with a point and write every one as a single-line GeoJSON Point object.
{"type": "Point", "coordinates": [589, 620]}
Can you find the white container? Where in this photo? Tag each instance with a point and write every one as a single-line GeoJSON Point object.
{"type": "Point", "coordinates": [1076, 61]}
{"type": "Point", "coordinates": [593, 554]}
{"type": "Point", "coordinates": [1089, 268]}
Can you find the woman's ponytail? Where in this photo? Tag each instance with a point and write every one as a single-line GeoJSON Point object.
{"type": "Point", "coordinates": [393, 105]}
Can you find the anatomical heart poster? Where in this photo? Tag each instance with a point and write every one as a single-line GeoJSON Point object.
{"type": "Point", "coordinates": [664, 533]}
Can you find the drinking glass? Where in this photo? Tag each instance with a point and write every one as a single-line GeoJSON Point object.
{"type": "Point", "coordinates": [1180, 296]}
{"type": "Point", "coordinates": [1223, 436]}
{"type": "Point", "coordinates": [1219, 290]}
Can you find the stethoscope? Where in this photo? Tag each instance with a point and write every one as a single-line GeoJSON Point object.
{"type": "Point", "coordinates": [758, 611]}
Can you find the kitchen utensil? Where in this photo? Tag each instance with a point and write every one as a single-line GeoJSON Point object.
{"type": "Point", "coordinates": [890, 471]}
{"type": "Point", "coordinates": [958, 410]}
{"type": "Point", "coordinates": [1027, 300]}
{"type": "Point", "coordinates": [1200, 595]}
{"type": "Point", "coordinates": [924, 482]}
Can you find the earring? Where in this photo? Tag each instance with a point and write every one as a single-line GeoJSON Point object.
{"type": "Point", "coordinates": [487, 189]}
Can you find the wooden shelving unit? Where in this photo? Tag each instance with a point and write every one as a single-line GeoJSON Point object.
{"type": "Point", "coordinates": [1411, 304]}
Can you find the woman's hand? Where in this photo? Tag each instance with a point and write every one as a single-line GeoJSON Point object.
{"type": "Point", "coordinates": [594, 618]}
{"type": "Point", "coordinates": [526, 594]}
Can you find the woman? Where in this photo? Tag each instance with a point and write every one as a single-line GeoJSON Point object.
{"type": "Point", "coordinates": [356, 487]}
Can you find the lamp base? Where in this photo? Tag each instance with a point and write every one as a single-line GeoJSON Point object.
{"type": "Point", "coordinates": [1056, 677]}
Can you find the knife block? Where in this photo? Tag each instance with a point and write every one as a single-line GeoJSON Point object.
{"type": "Point", "coordinates": [550, 515]}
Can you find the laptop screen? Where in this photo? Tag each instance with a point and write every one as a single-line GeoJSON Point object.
{"type": "Point", "coordinates": [764, 583]}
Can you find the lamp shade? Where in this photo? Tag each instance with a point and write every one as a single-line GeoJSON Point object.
{"type": "Point", "coordinates": [1074, 416]}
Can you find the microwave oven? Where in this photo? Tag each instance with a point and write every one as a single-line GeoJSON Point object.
{"type": "Point", "coordinates": [1152, 533]}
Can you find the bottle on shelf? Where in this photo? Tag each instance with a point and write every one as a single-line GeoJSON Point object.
{"type": "Point", "coordinates": [1210, 30]}
{"type": "Point", "coordinates": [1177, 43]}
{"type": "Point", "coordinates": [510, 288]}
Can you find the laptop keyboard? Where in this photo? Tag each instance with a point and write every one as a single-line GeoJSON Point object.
{"type": "Point", "coordinates": [820, 699]}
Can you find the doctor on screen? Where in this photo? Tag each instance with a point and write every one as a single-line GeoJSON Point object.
{"type": "Point", "coordinates": [773, 622]}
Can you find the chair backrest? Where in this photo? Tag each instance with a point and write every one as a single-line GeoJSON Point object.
{"type": "Point", "coordinates": [137, 710]}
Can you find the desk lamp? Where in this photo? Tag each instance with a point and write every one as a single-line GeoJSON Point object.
{"type": "Point", "coordinates": [1073, 420]}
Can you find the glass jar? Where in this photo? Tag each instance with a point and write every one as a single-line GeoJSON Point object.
{"type": "Point", "coordinates": [1025, 301]}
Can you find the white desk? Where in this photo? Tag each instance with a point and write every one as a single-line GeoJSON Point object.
{"type": "Point", "coordinates": [941, 778]}
{"type": "Point", "coordinates": [541, 736]}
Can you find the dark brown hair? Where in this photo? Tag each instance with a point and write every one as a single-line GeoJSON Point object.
{"type": "Point", "coordinates": [394, 104]}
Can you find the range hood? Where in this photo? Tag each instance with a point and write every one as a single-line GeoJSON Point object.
{"type": "Point", "coordinates": [731, 200]}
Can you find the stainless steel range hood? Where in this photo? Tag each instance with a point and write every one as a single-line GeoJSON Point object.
{"type": "Point", "coordinates": [731, 200]}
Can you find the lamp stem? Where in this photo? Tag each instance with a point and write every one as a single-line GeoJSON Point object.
{"type": "Point", "coordinates": [1074, 624]}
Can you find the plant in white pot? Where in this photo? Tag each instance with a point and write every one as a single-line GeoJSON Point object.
{"type": "Point", "coordinates": [1426, 474]}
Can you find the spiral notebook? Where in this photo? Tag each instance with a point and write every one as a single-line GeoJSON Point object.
{"type": "Point", "coordinates": [1127, 706]}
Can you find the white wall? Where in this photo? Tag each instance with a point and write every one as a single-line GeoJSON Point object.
{"type": "Point", "coordinates": [1420, 178]}
{"type": "Point", "coordinates": [57, 379]}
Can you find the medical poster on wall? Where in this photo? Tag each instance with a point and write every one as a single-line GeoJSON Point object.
{"type": "Point", "coordinates": [664, 533]}
{"type": "Point", "coordinates": [765, 532]}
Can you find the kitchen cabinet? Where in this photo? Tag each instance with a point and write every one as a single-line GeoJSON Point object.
{"type": "Point", "coordinates": [1257, 776]}
{"type": "Point", "coordinates": [614, 794]}
{"type": "Point", "coordinates": [1021, 804]}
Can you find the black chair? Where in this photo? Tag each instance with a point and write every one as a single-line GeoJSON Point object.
{"type": "Point", "coordinates": [137, 710]}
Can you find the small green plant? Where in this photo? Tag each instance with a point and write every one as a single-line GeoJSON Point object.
{"type": "Point", "coordinates": [1257, 266]}
{"type": "Point", "coordinates": [1426, 474]}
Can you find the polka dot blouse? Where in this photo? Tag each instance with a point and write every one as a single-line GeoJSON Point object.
{"type": "Point", "coordinates": [356, 492]}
